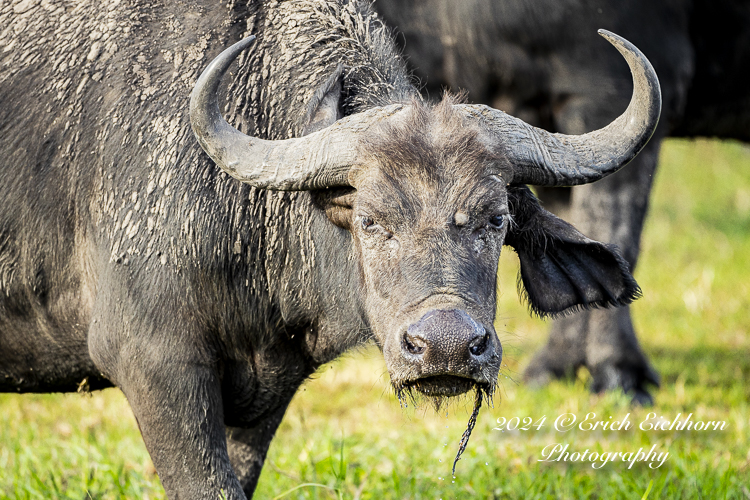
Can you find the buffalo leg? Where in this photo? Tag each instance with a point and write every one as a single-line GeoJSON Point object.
{"type": "Point", "coordinates": [248, 448]}
{"type": "Point", "coordinates": [179, 412]}
{"type": "Point", "coordinates": [611, 210]}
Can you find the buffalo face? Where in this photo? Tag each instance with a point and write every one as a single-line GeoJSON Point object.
{"type": "Point", "coordinates": [429, 219]}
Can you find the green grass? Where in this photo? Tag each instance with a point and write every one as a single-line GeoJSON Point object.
{"type": "Point", "coordinates": [345, 435]}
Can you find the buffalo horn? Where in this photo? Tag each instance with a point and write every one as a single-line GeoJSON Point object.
{"type": "Point", "coordinates": [546, 159]}
{"type": "Point", "coordinates": [324, 158]}
{"type": "Point", "coordinates": [318, 160]}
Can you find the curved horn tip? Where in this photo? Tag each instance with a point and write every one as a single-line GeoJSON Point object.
{"type": "Point", "coordinates": [636, 59]}
{"type": "Point", "coordinates": [244, 43]}
{"type": "Point", "coordinates": [221, 63]}
{"type": "Point", "coordinates": [579, 159]}
{"type": "Point", "coordinates": [612, 37]}
{"type": "Point", "coordinates": [214, 134]}
{"type": "Point", "coordinates": [620, 43]}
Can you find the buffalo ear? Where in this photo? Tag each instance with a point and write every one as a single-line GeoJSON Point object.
{"type": "Point", "coordinates": [337, 204]}
{"type": "Point", "coordinates": [325, 107]}
{"type": "Point", "coordinates": [561, 269]}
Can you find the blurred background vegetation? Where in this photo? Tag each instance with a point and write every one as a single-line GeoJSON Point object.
{"type": "Point", "coordinates": [345, 435]}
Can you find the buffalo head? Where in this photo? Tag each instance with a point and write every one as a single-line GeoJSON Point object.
{"type": "Point", "coordinates": [430, 194]}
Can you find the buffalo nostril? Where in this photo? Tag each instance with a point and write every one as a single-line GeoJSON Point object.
{"type": "Point", "coordinates": [414, 345]}
{"type": "Point", "coordinates": [479, 345]}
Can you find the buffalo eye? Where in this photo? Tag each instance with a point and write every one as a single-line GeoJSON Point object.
{"type": "Point", "coordinates": [371, 227]}
{"type": "Point", "coordinates": [368, 224]}
{"type": "Point", "coordinates": [497, 221]}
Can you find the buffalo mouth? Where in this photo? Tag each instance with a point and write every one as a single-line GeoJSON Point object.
{"type": "Point", "coordinates": [440, 387]}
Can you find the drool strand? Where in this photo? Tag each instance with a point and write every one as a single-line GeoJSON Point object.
{"type": "Point", "coordinates": [469, 428]}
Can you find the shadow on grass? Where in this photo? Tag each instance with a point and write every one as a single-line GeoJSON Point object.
{"type": "Point", "coordinates": [708, 366]}
{"type": "Point", "coordinates": [718, 369]}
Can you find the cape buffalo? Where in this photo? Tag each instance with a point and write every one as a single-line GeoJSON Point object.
{"type": "Point", "coordinates": [127, 258]}
{"type": "Point", "coordinates": [539, 60]}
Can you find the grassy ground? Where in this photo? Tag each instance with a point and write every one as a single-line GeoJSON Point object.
{"type": "Point", "coordinates": [345, 436]}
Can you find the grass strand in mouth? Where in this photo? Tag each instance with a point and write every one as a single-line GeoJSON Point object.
{"type": "Point", "coordinates": [469, 428]}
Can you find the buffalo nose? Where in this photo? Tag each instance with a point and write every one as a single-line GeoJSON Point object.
{"type": "Point", "coordinates": [443, 337]}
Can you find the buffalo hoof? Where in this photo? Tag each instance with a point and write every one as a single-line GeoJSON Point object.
{"type": "Point", "coordinates": [632, 380]}
{"type": "Point", "coordinates": [604, 342]}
